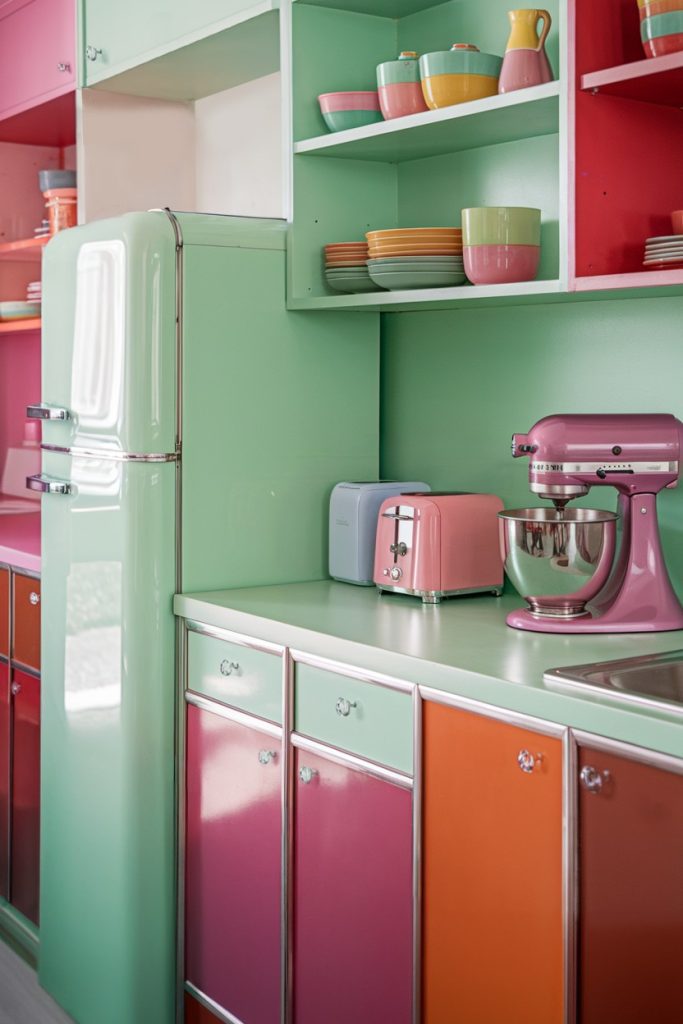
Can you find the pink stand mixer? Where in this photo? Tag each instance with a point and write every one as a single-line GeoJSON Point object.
{"type": "Point", "coordinates": [564, 561]}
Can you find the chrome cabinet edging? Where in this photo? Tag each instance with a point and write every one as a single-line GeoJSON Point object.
{"type": "Point", "coordinates": [233, 715]}
{"type": "Point", "coordinates": [359, 764]}
{"type": "Point", "coordinates": [110, 456]}
{"type": "Point", "coordinates": [570, 873]}
{"type": "Point", "coordinates": [479, 707]}
{"type": "Point", "coordinates": [340, 669]}
{"type": "Point", "coordinates": [287, 890]}
{"type": "Point", "coordinates": [180, 784]}
{"type": "Point", "coordinates": [223, 1015]}
{"type": "Point", "coordinates": [265, 646]}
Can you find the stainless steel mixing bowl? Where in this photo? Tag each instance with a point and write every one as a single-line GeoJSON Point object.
{"type": "Point", "coordinates": [558, 560]}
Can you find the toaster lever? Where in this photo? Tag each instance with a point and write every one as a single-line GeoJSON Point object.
{"type": "Point", "coordinates": [399, 549]}
{"type": "Point", "coordinates": [395, 515]}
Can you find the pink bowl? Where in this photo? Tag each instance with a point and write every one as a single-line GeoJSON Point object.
{"type": "Point", "coordinates": [501, 264]}
{"type": "Point", "coordinates": [330, 102]}
{"type": "Point", "coordinates": [401, 99]}
{"type": "Point", "coordinates": [677, 222]}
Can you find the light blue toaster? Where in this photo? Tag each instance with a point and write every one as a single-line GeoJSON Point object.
{"type": "Point", "coordinates": [354, 507]}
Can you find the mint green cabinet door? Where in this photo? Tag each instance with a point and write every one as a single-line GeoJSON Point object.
{"type": "Point", "coordinates": [118, 36]}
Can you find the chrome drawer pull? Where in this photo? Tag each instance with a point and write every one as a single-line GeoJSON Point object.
{"type": "Point", "coordinates": [529, 762]}
{"type": "Point", "coordinates": [592, 778]}
{"type": "Point", "coordinates": [42, 411]}
{"type": "Point", "coordinates": [16, 689]}
{"type": "Point", "coordinates": [307, 774]}
{"type": "Point", "coordinates": [228, 667]}
{"type": "Point", "coordinates": [266, 756]}
{"type": "Point", "coordinates": [93, 52]}
{"type": "Point", "coordinates": [34, 598]}
{"type": "Point", "coordinates": [63, 66]}
{"type": "Point", "coordinates": [343, 706]}
{"type": "Point", "coordinates": [47, 485]}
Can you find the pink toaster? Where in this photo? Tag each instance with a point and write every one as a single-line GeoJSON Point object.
{"type": "Point", "coordinates": [439, 544]}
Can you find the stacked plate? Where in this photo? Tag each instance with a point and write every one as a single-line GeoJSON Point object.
{"type": "Point", "coordinates": [43, 231]}
{"type": "Point", "coordinates": [19, 310]}
{"type": "Point", "coordinates": [346, 269]}
{"type": "Point", "coordinates": [416, 258]}
{"type": "Point", "coordinates": [34, 291]}
{"type": "Point", "coordinates": [664, 252]}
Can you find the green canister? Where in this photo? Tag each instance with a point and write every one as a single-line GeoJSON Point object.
{"type": "Point", "coordinates": [399, 87]}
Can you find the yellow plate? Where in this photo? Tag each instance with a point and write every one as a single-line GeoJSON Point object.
{"type": "Point", "coordinates": [411, 232]}
{"type": "Point", "coordinates": [416, 250]}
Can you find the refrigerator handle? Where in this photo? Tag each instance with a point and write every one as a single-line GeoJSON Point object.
{"type": "Point", "coordinates": [48, 485]}
{"type": "Point", "coordinates": [43, 411]}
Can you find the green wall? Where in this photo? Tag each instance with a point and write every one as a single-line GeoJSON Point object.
{"type": "Point", "coordinates": [456, 384]}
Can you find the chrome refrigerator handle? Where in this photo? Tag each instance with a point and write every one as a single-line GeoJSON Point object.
{"type": "Point", "coordinates": [42, 411]}
{"type": "Point", "coordinates": [48, 485]}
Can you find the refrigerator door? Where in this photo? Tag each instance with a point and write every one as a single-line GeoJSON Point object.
{"type": "Point", "coordinates": [109, 357]}
{"type": "Point", "coordinates": [107, 829]}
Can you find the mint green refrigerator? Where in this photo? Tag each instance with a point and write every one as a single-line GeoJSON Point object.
{"type": "Point", "coordinates": [192, 432]}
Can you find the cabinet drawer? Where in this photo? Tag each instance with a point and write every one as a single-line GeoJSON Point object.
{"type": "Point", "coordinates": [361, 717]}
{"type": "Point", "coordinates": [4, 613]}
{"type": "Point", "coordinates": [242, 677]}
{"type": "Point", "coordinates": [26, 646]}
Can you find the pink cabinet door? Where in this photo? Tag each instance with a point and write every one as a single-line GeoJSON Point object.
{"type": "Point", "coordinates": [37, 52]}
{"type": "Point", "coordinates": [25, 841]}
{"type": "Point", "coordinates": [4, 779]}
{"type": "Point", "coordinates": [233, 866]}
{"type": "Point", "coordinates": [352, 896]}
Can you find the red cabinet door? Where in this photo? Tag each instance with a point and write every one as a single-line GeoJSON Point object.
{"type": "Point", "coordinates": [37, 47]}
{"type": "Point", "coordinates": [352, 896]}
{"type": "Point", "coordinates": [493, 935]}
{"type": "Point", "coordinates": [26, 647]}
{"type": "Point", "coordinates": [25, 816]}
{"type": "Point", "coordinates": [631, 891]}
{"type": "Point", "coordinates": [233, 866]}
{"type": "Point", "coordinates": [195, 1013]}
{"type": "Point", "coordinates": [4, 613]}
{"type": "Point", "coordinates": [4, 779]}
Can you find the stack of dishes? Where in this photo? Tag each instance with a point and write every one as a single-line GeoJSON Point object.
{"type": "Point", "coordinates": [19, 310]}
{"type": "Point", "coordinates": [661, 26]}
{"type": "Point", "coordinates": [664, 252]}
{"type": "Point", "coordinates": [345, 267]}
{"type": "Point", "coordinates": [416, 258]}
{"type": "Point", "coordinates": [34, 291]}
{"type": "Point", "coordinates": [43, 231]}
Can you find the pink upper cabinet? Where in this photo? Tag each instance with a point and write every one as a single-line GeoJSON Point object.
{"type": "Point", "coordinates": [37, 52]}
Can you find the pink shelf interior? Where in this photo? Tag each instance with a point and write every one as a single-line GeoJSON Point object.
{"type": "Point", "coordinates": [20, 539]}
{"type": "Point", "coordinates": [48, 124]}
{"type": "Point", "coordinates": [29, 250]}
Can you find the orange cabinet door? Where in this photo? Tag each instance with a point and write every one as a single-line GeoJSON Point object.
{"type": "Point", "coordinates": [493, 933]}
{"type": "Point", "coordinates": [4, 613]}
{"type": "Point", "coordinates": [26, 648]}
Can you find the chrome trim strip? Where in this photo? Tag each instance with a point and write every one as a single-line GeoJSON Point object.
{"type": "Point", "coordinates": [233, 715]}
{"type": "Point", "coordinates": [11, 914]}
{"type": "Point", "coordinates": [234, 638]}
{"type": "Point", "coordinates": [23, 572]}
{"type": "Point", "coordinates": [288, 824]}
{"type": "Point", "coordinates": [570, 869]}
{"type": "Point", "coordinates": [378, 771]}
{"type": "Point", "coordinates": [435, 596]}
{"type": "Point", "coordinates": [613, 468]}
{"type": "Point", "coordinates": [110, 456]}
{"type": "Point", "coordinates": [180, 269]}
{"type": "Point", "coordinates": [10, 735]}
{"type": "Point", "coordinates": [478, 707]}
{"type": "Point", "coordinates": [417, 856]}
{"type": "Point", "coordinates": [26, 669]}
{"type": "Point", "coordinates": [653, 758]}
{"type": "Point", "coordinates": [351, 672]}
{"type": "Point", "coordinates": [223, 1015]}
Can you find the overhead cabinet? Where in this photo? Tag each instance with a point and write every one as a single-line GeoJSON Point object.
{"type": "Point", "coordinates": [37, 50]}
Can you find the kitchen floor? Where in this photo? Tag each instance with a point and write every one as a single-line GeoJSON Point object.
{"type": "Point", "coordinates": [22, 1000]}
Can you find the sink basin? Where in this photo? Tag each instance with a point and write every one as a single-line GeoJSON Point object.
{"type": "Point", "coordinates": [652, 680]}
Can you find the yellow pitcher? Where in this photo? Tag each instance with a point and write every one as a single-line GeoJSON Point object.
{"type": "Point", "coordinates": [525, 62]}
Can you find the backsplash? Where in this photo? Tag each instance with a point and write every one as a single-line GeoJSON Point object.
{"type": "Point", "coordinates": [456, 384]}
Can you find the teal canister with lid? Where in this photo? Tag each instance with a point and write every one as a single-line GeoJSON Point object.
{"type": "Point", "coordinates": [399, 87]}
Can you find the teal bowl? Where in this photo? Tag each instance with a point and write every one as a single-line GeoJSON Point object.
{"type": "Point", "coordinates": [342, 120]}
{"type": "Point", "coordinates": [661, 25]}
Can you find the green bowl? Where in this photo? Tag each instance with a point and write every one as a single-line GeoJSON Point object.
{"type": "Point", "coordinates": [501, 225]}
{"type": "Point", "coordinates": [397, 280]}
{"type": "Point", "coordinates": [342, 120]}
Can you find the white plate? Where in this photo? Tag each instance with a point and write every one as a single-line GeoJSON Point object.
{"type": "Point", "coordinates": [665, 238]}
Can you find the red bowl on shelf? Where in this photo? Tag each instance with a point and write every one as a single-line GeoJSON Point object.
{"type": "Point", "coordinates": [501, 264]}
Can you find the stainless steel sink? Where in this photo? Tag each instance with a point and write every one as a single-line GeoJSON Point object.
{"type": "Point", "coordinates": [652, 680]}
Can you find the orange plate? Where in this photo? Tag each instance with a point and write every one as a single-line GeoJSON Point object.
{"type": "Point", "coordinates": [418, 240]}
{"type": "Point", "coordinates": [346, 245]}
{"type": "Point", "coordinates": [412, 232]}
{"type": "Point", "coordinates": [344, 261]}
{"type": "Point", "coordinates": [412, 250]}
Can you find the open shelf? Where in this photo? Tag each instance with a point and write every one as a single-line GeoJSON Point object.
{"type": "Point", "coordinates": [52, 123]}
{"type": "Point", "coordinates": [25, 250]}
{"type": "Point", "coordinates": [497, 119]}
{"type": "Point", "coordinates": [659, 279]}
{"type": "Point", "coordinates": [20, 539]}
{"type": "Point", "coordinates": [653, 80]}
{"type": "Point", "coordinates": [435, 298]}
{"type": "Point", "coordinates": [19, 326]}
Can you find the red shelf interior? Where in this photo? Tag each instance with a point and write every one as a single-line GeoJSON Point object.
{"type": "Point", "coordinates": [23, 250]}
{"type": "Point", "coordinates": [47, 124]}
{"type": "Point", "coordinates": [19, 326]}
{"type": "Point", "coordinates": [628, 154]}
{"type": "Point", "coordinates": [658, 80]}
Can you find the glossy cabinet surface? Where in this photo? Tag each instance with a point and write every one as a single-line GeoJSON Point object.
{"type": "Point", "coordinates": [631, 891]}
{"type": "Point", "coordinates": [195, 1013]}
{"type": "Point", "coordinates": [4, 778]}
{"type": "Point", "coordinates": [4, 613]}
{"type": "Point", "coordinates": [492, 852]}
{"type": "Point", "coordinates": [25, 835]}
{"type": "Point", "coordinates": [352, 714]}
{"type": "Point", "coordinates": [26, 621]}
{"type": "Point", "coordinates": [352, 897]}
{"type": "Point", "coordinates": [233, 866]}
{"type": "Point", "coordinates": [37, 49]}
{"type": "Point", "coordinates": [245, 678]}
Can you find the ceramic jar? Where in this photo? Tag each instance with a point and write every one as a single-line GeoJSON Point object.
{"type": "Point", "coordinates": [501, 244]}
{"type": "Point", "coordinates": [457, 75]}
{"type": "Point", "coordinates": [399, 88]}
{"type": "Point", "coordinates": [525, 62]}
{"type": "Point", "coordinates": [661, 26]}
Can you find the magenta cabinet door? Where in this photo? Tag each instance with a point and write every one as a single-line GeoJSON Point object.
{"type": "Point", "coordinates": [37, 47]}
{"type": "Point", "coordinates": [4, 780]}
{"type": "Point", "coordinates": [233, 866]}
{"type": "Point", "coordinates": [25, 839]}
{"type": "Point", "coordinates": [352, 896]}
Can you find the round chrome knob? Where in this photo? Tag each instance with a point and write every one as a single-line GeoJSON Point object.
{"type": "Point", "coordinates": [266, 756]}
{"type": "Point", "coordinates": [228, 667]}
{"type": "Point", "coordinates": [34, 597]}
{"type": "Point", "coordinates": [307, 774]}
{"type": "Point", "coordinates": [93, 52]}
{"type": "Point", "coordinates": [396, 573]}
{"type": "Point", "coordinates": [592, 778]}
{"type": "Point", "coordinates": [528, 762]}
{"type": "Point", "coordinates": [343, 706]}
{"type": "Point", "coordinates": [16, 689]}
{"type": "Point", "coordinates": [63, 66]}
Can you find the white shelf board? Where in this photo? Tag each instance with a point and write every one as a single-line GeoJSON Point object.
{"type": "Point", "coordinates": [434, 298]}
{"type": "Point", "coordinates": [517, 115]}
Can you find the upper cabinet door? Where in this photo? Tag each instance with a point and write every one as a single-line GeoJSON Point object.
{"type": "Point", "coordinates": [492, 854]}
{"type": "Point", "coordinates": [4, 613]}
{"type": "Point", "coordinates": [37, 51]}
{"type": "Point", "coordinates": [120, 35]}
{"type": "Point", "coordinates": [631, 891]}
{"type": "Point", "coordinates": [352, 896]}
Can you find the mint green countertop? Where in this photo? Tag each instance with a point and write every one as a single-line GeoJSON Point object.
{"type": "Point", "coordinates": [462, 646]}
